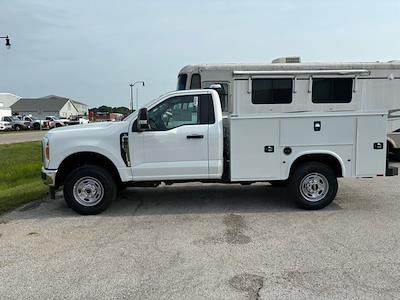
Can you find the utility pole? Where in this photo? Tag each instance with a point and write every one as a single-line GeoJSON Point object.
{"type": "Point", "coordinates": [131, 104]}
{"type": "Point", "coordinates": [137, 93]}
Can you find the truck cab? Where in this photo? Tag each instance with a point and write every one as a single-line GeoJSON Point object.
{"type": "Point", "coordinates": [178, 137]}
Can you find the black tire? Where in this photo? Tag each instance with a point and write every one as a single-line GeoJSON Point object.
{"type": "Point", "coordinates": [17, 127]}
{"type": "Point", "coordinates": [58, 125]}
{"type": "Point", "coordinates": [319, 177]}
{"type": "Point", "coordinates": [278, 183]}
{"type": "Point", "coordinates": [392, 153]}
{"type": "Point", "coordinates": [36, 126]}
{"type": "Point", "coordinates": [90, 176]}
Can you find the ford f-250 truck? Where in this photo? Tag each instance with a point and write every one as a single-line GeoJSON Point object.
{"type": "Point", "coordinates": [183, 137]}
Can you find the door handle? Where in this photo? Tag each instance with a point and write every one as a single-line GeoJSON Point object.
{"type": "Point", "coordinates": [195, 136]}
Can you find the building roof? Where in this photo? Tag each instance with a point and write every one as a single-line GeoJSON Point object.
{"type": "Point", "coordinates": [7, 99]}
{"type": "Point", "coordinates": [47, 103]}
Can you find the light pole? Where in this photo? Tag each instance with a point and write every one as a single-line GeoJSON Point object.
{"type": "Point", "coordinates": [8, 45]}
{"type": "Point", "coordinates": [137, 93]}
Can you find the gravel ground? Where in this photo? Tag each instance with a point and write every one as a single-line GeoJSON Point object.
{"type": "Point", "coordinates": [22, 136]}
{"type": "Point", "coordinates": [192, 241]}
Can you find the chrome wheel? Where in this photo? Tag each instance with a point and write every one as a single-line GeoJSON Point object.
{"type": "Point", "coordinates": [88, 191]}
{"type": "Point", "coordinates": [314, 187]}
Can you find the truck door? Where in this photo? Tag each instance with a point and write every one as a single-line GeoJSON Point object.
{"type": "Point", "coordinates": [176, 145]}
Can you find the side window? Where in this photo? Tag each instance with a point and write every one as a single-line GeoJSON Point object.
{"type": "Point", "coordinates": [332, 90]}
{"type": "Point", "coordinates": [223, 94]}
{"type": "Point", "coordinates": [174, 112]}
{"type": "Point", "coordinates": [272, 91]}
{"type": "Point", "coordinates": [181, 82]}
{"type": "Point", "coordinates": [195, 82]}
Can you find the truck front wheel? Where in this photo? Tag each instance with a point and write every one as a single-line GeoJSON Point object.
{"type": "Point", "coordinates": [89, 190]}
{"type": "Point", "coordinates": [313, 185]}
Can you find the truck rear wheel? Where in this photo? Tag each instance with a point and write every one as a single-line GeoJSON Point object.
{"type": "Point", "coordinates": [313, 185]}
{"type": "Point", "coordinates": [89, 190]}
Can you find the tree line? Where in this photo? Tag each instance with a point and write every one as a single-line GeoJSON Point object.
{"type": "Point", "coordinates": [120, 109]}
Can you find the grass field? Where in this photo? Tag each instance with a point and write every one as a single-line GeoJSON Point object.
{"type": "Point", "coordinates": [20, 180]}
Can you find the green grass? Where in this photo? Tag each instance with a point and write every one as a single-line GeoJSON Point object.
{"type": "Point", "coordinates": [20, 180]}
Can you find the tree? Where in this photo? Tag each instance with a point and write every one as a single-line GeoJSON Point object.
{"type": "Point", "coordinates": [108, 109]}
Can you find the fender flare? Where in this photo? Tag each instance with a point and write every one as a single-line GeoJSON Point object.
{"type": "Point", "coordinates": [319, 152]}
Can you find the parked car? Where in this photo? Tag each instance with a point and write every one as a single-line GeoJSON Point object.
{"type": "Point", "coordinates": [57, 121]}
{"type": "Point", "coordinates": [37, 124]}
{"type": "Point", "coordinates": [78, 120]}
{"type": "Point", "coordinates": [16, 123]}
{"type": "Point", "coordinates": [4, 126]}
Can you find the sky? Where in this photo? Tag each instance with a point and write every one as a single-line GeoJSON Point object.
{"type": "Point", "coordinates": [91, 50]}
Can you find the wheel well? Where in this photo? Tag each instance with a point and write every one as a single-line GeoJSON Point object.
{"type": "Point", "coordinates": [85, 158]}
{"type": "Point", "coordinates": [326, 159]}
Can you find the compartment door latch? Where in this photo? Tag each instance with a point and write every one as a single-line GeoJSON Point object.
{"type": "Point", "coordinates": [269, 149]}
{"type": "Point", "coordinates": [378, 146]}
{"type": "Point", "coordinates": [317, 126]}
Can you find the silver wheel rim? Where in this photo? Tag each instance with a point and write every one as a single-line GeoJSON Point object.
{"type": "Point", "coordinates": [314, 187]}
{"type": "Point", "coordinates": [88, 191]}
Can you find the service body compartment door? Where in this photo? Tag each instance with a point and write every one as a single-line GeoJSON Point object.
{"type": "Point", "coordinates": [371, 145]}
{"type": "Point", "coordinates": [254, 149]}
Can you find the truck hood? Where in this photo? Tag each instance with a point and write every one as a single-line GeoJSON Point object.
{"type": "Point", "coordinates": [89, 126]}
{"type": "Point", "coordinates": [100, 129]}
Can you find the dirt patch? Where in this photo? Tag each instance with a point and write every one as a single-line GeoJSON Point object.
{"type": "Point", "coordinates": [234, 232]}
{"type": "Point", "coordinates": [251, 284]}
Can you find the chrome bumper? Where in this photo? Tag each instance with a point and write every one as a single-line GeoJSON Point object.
{"type": "Point", "coordinates": [49, 176]}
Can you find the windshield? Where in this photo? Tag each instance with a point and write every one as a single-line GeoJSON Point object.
{"type": "Point", "coordinates": [182, 78]}
{"type": "Point", "coordinates": [15, 118]}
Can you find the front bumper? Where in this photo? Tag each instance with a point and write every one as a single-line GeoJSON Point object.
{"type": "Point", "coordinates": [5, 127]}
{"type": "Point", "coordinates": [49, 177]}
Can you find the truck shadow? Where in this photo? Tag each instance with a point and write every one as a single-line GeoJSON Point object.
{"type": "Point", "coordinates": [177, 199]}
{"type": "Point", "coordinates": [207, 199]}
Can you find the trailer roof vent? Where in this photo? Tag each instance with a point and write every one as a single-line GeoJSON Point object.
{"type": "Point", "coordinates": [287, 60]}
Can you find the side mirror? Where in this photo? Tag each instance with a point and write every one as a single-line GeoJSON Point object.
{"type": "Point", "coordinates": [142, 120]}
{"type": "Point", "coordinates": [215, 86]}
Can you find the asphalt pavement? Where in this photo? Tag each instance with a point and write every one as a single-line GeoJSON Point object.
{"type": "Point", "coordinates": [193, 241]}
{"type": "Point", "coordinates": [21, 136]}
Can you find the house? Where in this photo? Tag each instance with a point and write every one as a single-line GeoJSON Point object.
{"type": "Point", "coordinates": [49, 106]}
{"type": "Point", "coordinates": [105, 116]}
{"type": "Point", "coordinates": [6, 100]}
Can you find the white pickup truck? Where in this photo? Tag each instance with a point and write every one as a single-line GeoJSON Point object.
{"type": "Point", "coordinates": [183, 137]}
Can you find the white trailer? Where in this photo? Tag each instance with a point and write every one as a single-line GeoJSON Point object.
{"type": "Point", "coordinates": [304, 126]}
{"type": "Point", "coordinates": [363, 87]}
